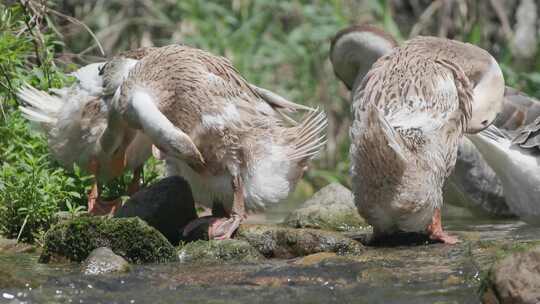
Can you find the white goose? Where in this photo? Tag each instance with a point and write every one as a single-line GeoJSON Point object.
{"type": "Point", "coordinates": [74, 118]}
{"type": "Point", "coordinates": [517, 163]}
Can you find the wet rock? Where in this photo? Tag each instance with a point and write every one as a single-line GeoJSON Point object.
{"type": "Point", "coordinates": [215, 250]}
{"type": "Point", "coordinates": [331, 208]}
{"type": "Point", "coordinates": [103, 260]}
{"type": "Point", "coordinates": [130, 238]}
{"type": "Point", "coordinates": [12, 246]}
{"type": "Point", "coordinates": [283, 242]}
{"type": "Point", "coordinates": [515, 279]}
{"type": "Point", "coordinates": [474, 185]}
{"type": "Point", "coordinates": [166, 205]}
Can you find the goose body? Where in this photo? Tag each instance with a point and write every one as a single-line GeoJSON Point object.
{"type": "Point", "coordinates": [410, 112]}
{"type": "Point", "coordinates": [517, 164]}
{"type": "Point", "coordinates": [227, 137]}
{"type": "Point", "coordinates": [353, 52]}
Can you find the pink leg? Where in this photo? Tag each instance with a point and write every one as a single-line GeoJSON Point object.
{"type": "Point", "coordinates": [135, 183]}
{"type": "Point", "coordinates": [436, 232]}
{"type": "Point", "coordinates": [223, 228]}
{"type": "Point", "coordinates": [95, 205]}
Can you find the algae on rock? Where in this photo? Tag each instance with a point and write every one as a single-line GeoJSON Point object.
{"type": "Point", "coordinates": [130, 238]}
{"type": "Point", "coordinates": [285, 242]}
{"type": "Point", "coordinates": [331, 208]}
{"type": "Point", "coordinates": [218, 250]}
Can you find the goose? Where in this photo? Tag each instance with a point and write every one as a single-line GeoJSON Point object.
{"type": "Point", "coordinates": [356, 48]}
{"type": "Point", "coordinates": [517, 164]}
{"type": "Point", "coordinates": [74, 119]}
{"type": "Point", "coordinates": [232, 141]}
{"type": "Point", "coordinates": [409, 113]}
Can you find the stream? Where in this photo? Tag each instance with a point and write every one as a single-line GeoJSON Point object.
{"type": "Point", "coordinates": [433, 273]}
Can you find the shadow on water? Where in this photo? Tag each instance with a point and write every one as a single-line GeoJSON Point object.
{"type": "Point", "coordinates": [423, 273]}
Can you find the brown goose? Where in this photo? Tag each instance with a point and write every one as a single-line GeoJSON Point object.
{"type": "Point", "coordinates": [473, 178]}
{"type": "Point", "coordinates": [410, 112]}
{"type": "Point", "coordinates": [226, 137]}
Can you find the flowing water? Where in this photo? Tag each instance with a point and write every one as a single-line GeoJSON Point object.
{"type": "Point", "coordinates": [432, 273]}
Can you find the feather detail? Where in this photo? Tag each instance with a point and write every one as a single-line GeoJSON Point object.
{"type": "Point", "coordinates": [40, 101]}
{"type": "Point", "coordinates": [278, 102]}
{"type": "Point", "coordinates": [306, 138]}
{"type": "Point", "coordinates": [529, 136]}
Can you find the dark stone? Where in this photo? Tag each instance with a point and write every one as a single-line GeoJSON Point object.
{"type": "Point", "coordinates": [130, 238]}
{"type": "Point", "coordinates": [103, 260]}
{"type": "Point", "coordinates": [166, 205]}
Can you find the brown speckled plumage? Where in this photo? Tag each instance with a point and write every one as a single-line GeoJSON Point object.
{"type": "Point", "coordinates": [410, 112]}
{"type": "Point", "coordinates": [223, 117]}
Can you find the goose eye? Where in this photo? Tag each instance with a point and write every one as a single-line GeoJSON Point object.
{"type": "Point", "coordinates": [485, 122]}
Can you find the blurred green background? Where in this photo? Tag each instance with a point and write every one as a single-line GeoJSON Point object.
{"type": "Point", "coordinates": [280, 45]}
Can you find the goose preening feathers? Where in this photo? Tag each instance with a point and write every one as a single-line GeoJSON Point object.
{"type": "Point", "coordinates": [74, 119]}
{"type": "Point", "coordinates": [410, 112]}
{"type": "Point", "coordinates": [232, 141]}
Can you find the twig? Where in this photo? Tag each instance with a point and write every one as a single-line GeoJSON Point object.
{"type": "Point", "coordinates": [76, 21]}
{"type": "Point", "coordinates": [499, 11]}
{"type": "Point", "coordinates": [425, 17]}
{"type": "Point", "coordinates": [27, 20]}
{"type": "Point", "coordinates": [9, 86]}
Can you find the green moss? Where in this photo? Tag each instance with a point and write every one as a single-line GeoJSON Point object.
{"type": "Point", "coordinates": [283, 242]}
{"type": "Point", "coordinates": [211, 251]}
{"type": "Point", "coordinates": [130, 238]}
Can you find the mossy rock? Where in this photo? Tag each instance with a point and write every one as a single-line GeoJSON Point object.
{"type": "Point", "coordinates": [220, 251]}
{"type": "Point", "coordinates": [285, 242]}
{"type": "Point", "coordinates": [130, 238]}
{"type": "Point", "coordinates": [331, 208]}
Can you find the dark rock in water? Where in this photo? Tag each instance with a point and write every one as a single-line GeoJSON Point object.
{"type": "Point", "coordinates": [215, 250]}
{"type": "Point", "coordinates": [330, 208]}
{"type": "Point", "coordinates": [515, 279]}
{"type": "Point", "coordinates": [166, 205]}
{"type": "Point", "coordinates": [283, 242]}
{"type": "Point", "coordinates": [130, 238]}
{"type": "Point", "coordinates": [103, 260]}
{"type": "Point", "coordinates": [474, 185]}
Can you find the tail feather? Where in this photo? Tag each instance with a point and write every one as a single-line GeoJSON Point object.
{"type": "Point", "coordinates": [279, 102]}
{"type": "Point", "coordinates": [32, 115]}
{"type": "Point", "coordinates": [307, 138]}
{"type": "Point", "coordinates": [41, 107]}
{"type": "Point", "coordinates": [40, 100]}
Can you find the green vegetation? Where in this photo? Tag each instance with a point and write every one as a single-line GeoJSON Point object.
{"type": "Point", "coordinates": [280, 45]}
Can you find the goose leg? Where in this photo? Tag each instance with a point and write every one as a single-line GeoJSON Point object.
{"type": "Point", "coordinates": [222, 228]}
{"type": "Point", "coordinates": [436, 232]}
{"type": "Point", "coordinates": [134, 185]}
{"type": "Point", "coordinates": [163, 133]}
{"type": "Point", "coordinates": [95, 205]}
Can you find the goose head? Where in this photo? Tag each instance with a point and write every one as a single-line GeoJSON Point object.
{"type": "Point", "coordinates": [354, 49]}
{"type": "Point", "coordinates": [488, 93]}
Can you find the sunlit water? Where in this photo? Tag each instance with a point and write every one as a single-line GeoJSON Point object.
{"type": "Point", "coordinates": [407, 274]}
